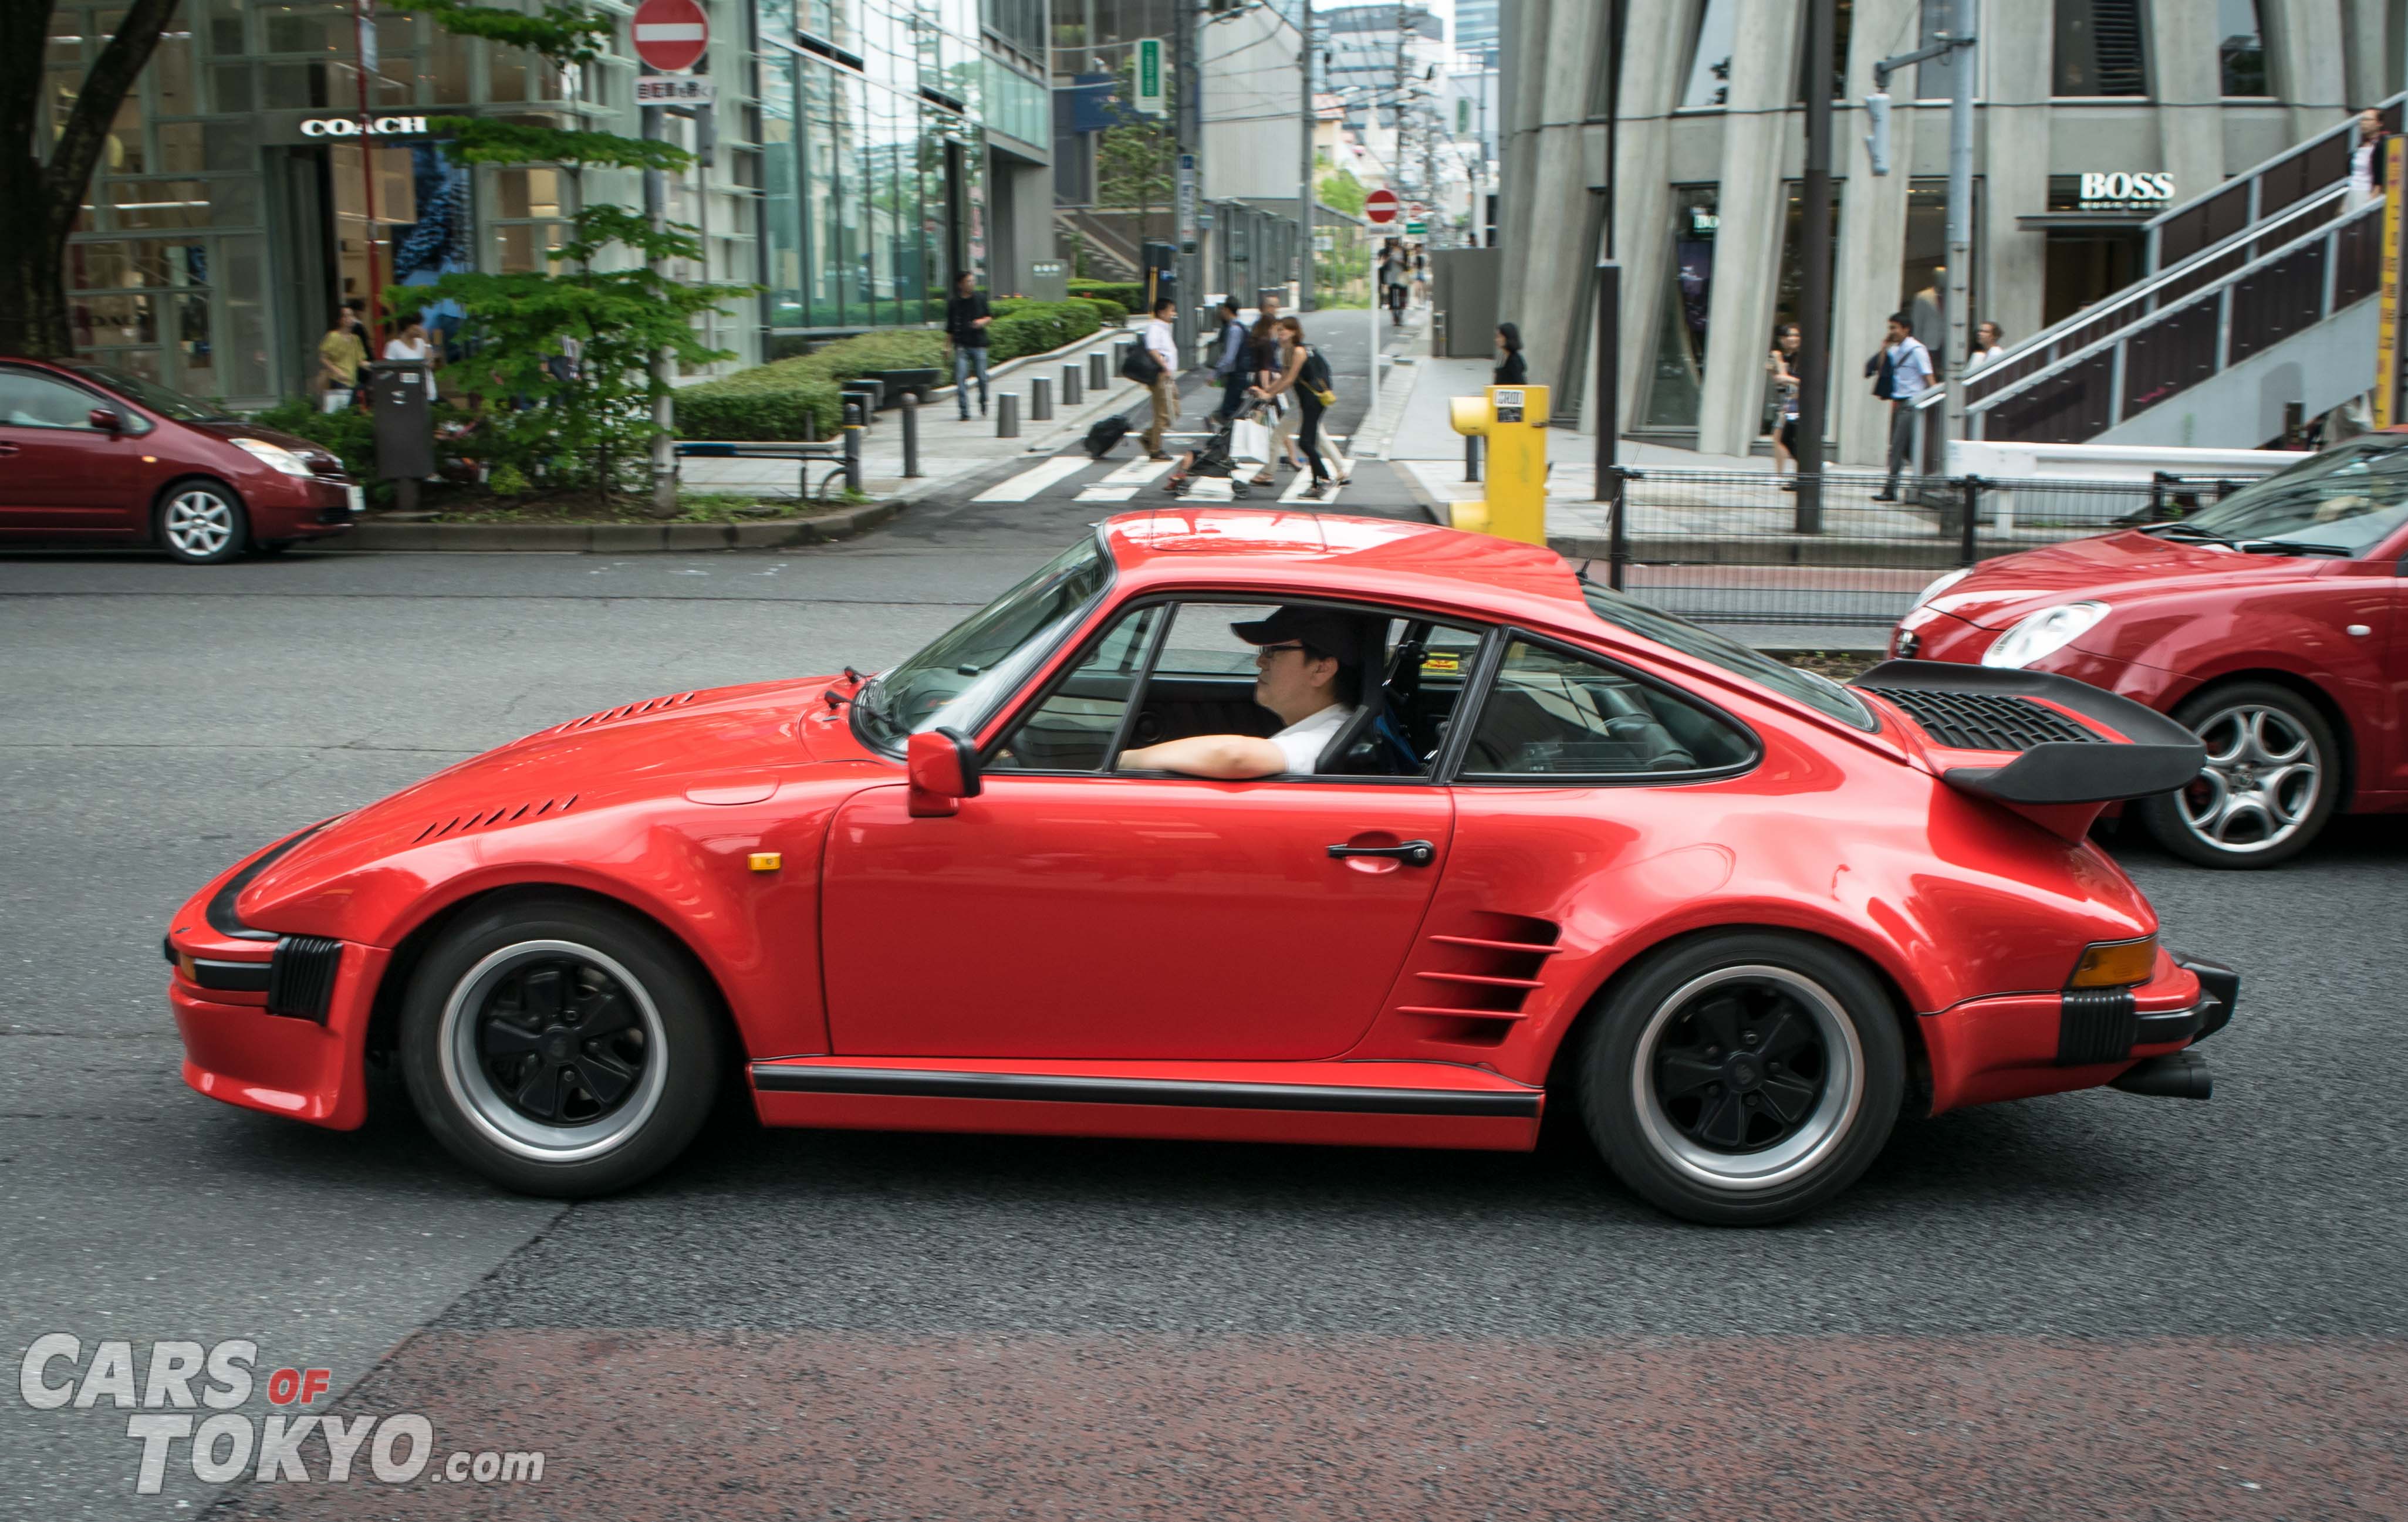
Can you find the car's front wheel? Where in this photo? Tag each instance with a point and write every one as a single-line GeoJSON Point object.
{"type": "Point", "coordinates": [2272, 780]}
{"type": "Point", "coordinates": [559, 1047]}
{"type": "Point", "coordinates": [202, 523]}
{"type": "Point", "coordinates": [1742, 1079]}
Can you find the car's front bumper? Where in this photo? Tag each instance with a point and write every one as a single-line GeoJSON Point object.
{"type": "Point", "coordinates": [2020, 1045]}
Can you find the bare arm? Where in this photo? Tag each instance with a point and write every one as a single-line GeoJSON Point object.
{"type": "Point", "coordinates": [1231, 757]}
{"type": "Point", "coordinates": [1286, 380]}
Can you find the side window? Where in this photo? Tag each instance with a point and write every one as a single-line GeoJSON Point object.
{"type": "Point", "coordinates": [1073, 729]}
{"type": "Point", "coordinates": [35, 400]}
{"type": "Point", "coordinates": [1552, 714]}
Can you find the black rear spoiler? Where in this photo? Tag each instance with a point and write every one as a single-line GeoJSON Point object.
{"type": "Point", "coordinates": [2159, 755]}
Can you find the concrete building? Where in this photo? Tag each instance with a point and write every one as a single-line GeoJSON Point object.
{"type": "Point", "coordinates": [1669, 135]}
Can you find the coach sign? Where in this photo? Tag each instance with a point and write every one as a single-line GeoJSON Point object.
{"type": "Point", "coordinates": [375, 127]}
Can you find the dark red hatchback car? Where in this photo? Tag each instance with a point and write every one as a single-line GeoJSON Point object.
{"type": "Point", "coordinates": [94, 456]}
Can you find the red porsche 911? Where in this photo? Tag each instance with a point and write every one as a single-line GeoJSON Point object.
{"type": "Point", "coordinates": [1067, 871]}
{"type": "Point", "coordinates": [2270, 625]}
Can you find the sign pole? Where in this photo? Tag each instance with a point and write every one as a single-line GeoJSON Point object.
{"type": "Point", "coordinates": [2387, 333]}
{"type": "Point", "coordinates": [362, 54]}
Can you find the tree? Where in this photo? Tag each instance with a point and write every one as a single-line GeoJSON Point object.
{"type": "Point", "coordinates": [42, 198]}
{"type": "Point", "coordinates": [1135, 157]}
{"type": "Point", "coordinates": [1342, 191]}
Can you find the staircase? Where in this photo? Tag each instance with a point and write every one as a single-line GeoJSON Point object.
{"type": "Point", "coordinates": [1111, 250]}
{"type": "Point", "coordinates": [2261, 294]}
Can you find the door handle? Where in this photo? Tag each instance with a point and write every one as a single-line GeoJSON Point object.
{"type": "Point", "coordinates": [8, 449]}
{"type": "Point", "coordinates": [1412, 853]}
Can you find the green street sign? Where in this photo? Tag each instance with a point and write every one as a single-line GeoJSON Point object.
{"type": "Point", "coordinates": [1414, 230]}
{"type": "Point", "coordinates": [1149, 77]}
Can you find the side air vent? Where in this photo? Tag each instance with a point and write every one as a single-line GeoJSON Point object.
{"type": "Point", "coordinates": [1472, 982]}
{"type": "Point", "coordinates": [1987, 720]}
{"type": "Point", "coordinates": [301, 978]}
{"type": "Point", "coordinates": [488, 819]}
{"type": "Point", "coordinates": [631, 710]}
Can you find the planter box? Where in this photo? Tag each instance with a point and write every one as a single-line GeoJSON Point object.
{"type": "Point", "coordinates": [919, 382]}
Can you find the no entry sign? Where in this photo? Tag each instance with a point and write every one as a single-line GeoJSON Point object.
{"type": "Point", "coordinates": [670, 34]}
{"type": "Point", "coordinates": [1381, 206]}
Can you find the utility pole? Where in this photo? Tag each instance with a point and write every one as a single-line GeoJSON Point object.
{"type": "Point", "coordinates": [1957, 44]}
{"type": "Point", "coordinates": [1307, 197]}
{"type": "Point", "coordinates": [1814, 295]}
{"type": "Point", "coordinates": [656, 212]}
{"type": "Point", "coordinates": [1190, 171]}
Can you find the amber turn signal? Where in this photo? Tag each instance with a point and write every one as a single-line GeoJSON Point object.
{"type": "Point", "coordinates": [765, 860]}
{"type": "Point", "coordinates": [2116, 964]}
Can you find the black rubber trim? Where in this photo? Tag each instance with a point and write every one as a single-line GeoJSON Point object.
{"type": "Point", "coordinates": [234, 976]}
{"type": "Point", "coordinates": [1179, 1093]}
{"type": "Point", "coordinates": [2160, 755]}
{"type": "Point", "coordinates": [221, 913]}
{"type": "Point", "coordinates": [2096, 1025]}
{"type": "Point", "coordinates": [2219, 990]}
{"type": "Point", "coordinates": [301, 979]}
{"type": "Point", "coordinates": [2169, 1025]}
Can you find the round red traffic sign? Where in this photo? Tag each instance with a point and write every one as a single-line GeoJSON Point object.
{"type": "Point", "coordinates": [1381, 206]}
{"type": "Point", "coordinates": [670, 35]}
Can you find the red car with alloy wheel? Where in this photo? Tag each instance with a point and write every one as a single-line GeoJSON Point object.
{"type": "Point", "coordinates": [92, 456]}
{"type": "Point", "coordinates": [1557, 848]}
{"type": "Point", "coordinates": [2270, 625]}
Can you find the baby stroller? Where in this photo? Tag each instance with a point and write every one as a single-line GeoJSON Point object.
{"type": "Point", "coordinates": [1214, 458]}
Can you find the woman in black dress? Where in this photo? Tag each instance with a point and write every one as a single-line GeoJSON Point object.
{"type": "Point", "coordinates": [1512, 368]}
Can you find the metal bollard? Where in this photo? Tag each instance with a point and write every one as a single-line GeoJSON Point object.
{"type": "Point", "coordinates": [1070, 395]}
{"type": "Point", "coordinates": [1007, 415]}
{"type": "Point", "coordinates": [1471, 457]}
{"type": "Point", "coordinates": [1099, 371]}
{"type": "Point", "coordinates": [910, 405]}
{"type": "Point", "coordinates": [1040, 400]}
{"type": "Point", "coordinates": [853, 446]}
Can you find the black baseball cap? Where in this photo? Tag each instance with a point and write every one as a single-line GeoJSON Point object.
{"type": "Point", "coordinates": [1335, 634]}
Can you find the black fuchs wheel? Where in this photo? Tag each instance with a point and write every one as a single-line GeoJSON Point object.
{"type": "Point", "coordinates": [559, 1047]}
{"type": "Point", "coordinates": [1742, 1079]}
{"type": "Point", "coordinates": [2271, 784]}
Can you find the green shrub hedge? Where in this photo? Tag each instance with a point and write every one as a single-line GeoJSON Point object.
{"type": "Point", "coordinates": [1129, 293]}
{"type": "Point", "coordinates": [1024, 327]}
{"type": "Point", "coordinates": [801, 398]}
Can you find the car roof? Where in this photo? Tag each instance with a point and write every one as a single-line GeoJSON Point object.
{"type": "Point", "coordinates": [1273, 547]}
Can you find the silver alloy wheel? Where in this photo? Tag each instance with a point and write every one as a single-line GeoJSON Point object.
{"type": "Point", "coordinates": [1798, 1146]}
{"type": "Point", "coordinates": [467, 1072]}
{"type": "Point", "coordinates": [2261, 782]}
{"type": "Point", "coordinates": [199, 522]}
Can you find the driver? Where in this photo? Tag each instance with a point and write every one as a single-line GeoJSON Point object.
{"type": "Point", "coordinates": [1308, 671]}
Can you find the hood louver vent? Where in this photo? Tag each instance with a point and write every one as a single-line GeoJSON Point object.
{"type": "Point", "coordinates": [487, 819]}
{"type": "Point", "coordinates": [631, 710]}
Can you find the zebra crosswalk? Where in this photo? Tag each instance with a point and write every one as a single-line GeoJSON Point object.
{"type": "Point", "coordinates": [1137, 482]}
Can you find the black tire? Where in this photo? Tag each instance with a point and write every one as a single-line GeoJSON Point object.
{"type": "Point", "coordinates": [2254, 804]}
{"type": "Point", "coordinates": [1709, 1140]}
{"type": "Point", "coordinates": [507, 995]}
{"type": "Point", "coordinates": [200, 522]}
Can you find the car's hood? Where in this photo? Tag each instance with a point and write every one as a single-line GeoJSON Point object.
{"type": "Point", "coordinates": [2126, 564]}
{"type": "Point", "coordinates": [706, 744]}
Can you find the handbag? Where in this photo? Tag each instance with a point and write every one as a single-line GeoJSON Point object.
{"type": "Point", "coordinates": [1140, 365]}
{"type": "Point", "coordinates": [1249, 440]}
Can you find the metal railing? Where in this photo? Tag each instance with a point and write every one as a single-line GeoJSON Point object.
{"type": "Point", "coordinates": [2212, 217]}
{"type": "Point", "coordinates": [1723, 548]}
{"type": "Point", "coordinates": [2196, 322]}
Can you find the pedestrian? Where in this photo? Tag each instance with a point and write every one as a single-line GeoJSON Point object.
{"type": "Point", "coordinates": [410, 343]}
{"type": "Point", "coordinates": [1160, 343]}
{"type": "Point", "coordinates": [1421, 275]}
{"type": "Point", "coordinates": [1512, 369]}
{"type": "Point", "coordinates": [1780, 385]}
{"type": "Point", "coordinates": [1988, 340]}
{"type": "Point", "coordinates": [1232, 361]}
{"type": "Point", "coordinates": [1392, 286]}
{"type": "Point", "coordinates": [1304, 380]}
{"type": "Point", "coordinates": [967, 317]}
{"type": "Point", "coordinates": [342, 354]}
{"type": "Point", "coordinates": [1901, 372]}
{"type": "Point", "coordinates": [2366, 159]}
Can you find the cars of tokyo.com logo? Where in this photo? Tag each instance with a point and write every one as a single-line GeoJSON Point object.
{"type": "Point", "coordinates": [184, 1402]}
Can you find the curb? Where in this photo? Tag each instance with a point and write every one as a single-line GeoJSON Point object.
{"type": "Point", "coordinates": [616, 538]}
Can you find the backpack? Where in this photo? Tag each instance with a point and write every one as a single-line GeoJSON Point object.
{"type": "Point", "coordinates": [1314, 377]}
{"type": "Point", "coordinates": [1140, 365]}
{"type": "Point", "coordinates": [1105, 434]}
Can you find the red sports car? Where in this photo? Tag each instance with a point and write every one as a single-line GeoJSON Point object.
{"type": "Point", "coordinates": [1550, 844]}
{"type": "Point", "coordinates": [2270, 625]}
{"type": "Point", "coordinates": [93, 456]}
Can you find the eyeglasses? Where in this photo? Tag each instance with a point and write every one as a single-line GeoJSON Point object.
{"type": "Point", "coordinates": [1263, 656]}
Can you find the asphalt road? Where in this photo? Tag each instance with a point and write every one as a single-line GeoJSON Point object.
{"type": "Point", "coordinates": [2090, 1305]}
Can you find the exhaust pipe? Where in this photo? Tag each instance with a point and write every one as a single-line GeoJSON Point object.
{"type": "Point", "coordinates": [2175, 1075]}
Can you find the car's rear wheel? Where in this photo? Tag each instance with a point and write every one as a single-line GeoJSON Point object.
{"type": "Point", "coordinates": [201, 523]}
{"type": "Point", "coordinates": [2271, 781]}
{"type": "Point", "coordinates": [560, 1047]}
{"type": "Point", "coordinates": [1742, 1079]}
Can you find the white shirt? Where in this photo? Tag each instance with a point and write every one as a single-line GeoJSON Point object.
{"type": "Point", "coordinates": [1165, 348]}
{"type": "Point", "coordinates": [1910, 369]}
{"type": "Point", "coordinates": [397, 349]}
{"type": "Point", "coordinates": [2362, 172]}
{"type": "Point", "coordinates": [1303, 741]}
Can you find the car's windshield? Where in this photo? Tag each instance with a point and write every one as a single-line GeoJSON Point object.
{"type": "Point", "coordinates": [959, 679]}
{"type": "Point", "coordinates": [158, 398]}
{"type": "Point", "coordinates": [2348, 499]}
{"type": "Point", "coordinates": [1819, 693]}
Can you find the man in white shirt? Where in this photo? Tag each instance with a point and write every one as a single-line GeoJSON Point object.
{"type": "Point", "coordinates": [1308, 671]}
{"type": "Point", "coordinates": [1164, 347]}
{"type": "Point", "coordinates": [1905, 370]}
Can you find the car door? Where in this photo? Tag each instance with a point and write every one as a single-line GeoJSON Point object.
{"type": "Point", "coordinates": [58, 474]}
{"type": "Point", "coordinates": [1066, 912]}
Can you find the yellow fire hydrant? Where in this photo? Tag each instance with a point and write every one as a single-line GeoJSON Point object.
{"type": "Point", "coordinates": [1514, 420]}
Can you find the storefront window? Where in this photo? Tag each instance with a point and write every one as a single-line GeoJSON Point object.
{"type": "Point", "coordinates": [1679, 377]}
{"type": "Point", "coordinates": [2082, 267]}
{"type": "Point", "coordinates": [2240, 48]}
{"type": "Point", "coordinates": [2100, 49]}
{"type": "Point", "coordinates": [1710, 57]}
{"type": "Point", "coordinates": [1788, 301]}
{"type": "Point", "coordinates": [1923, 282]}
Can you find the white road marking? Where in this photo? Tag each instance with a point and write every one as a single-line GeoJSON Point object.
{"type": "Point", "coordinates": [1303, 483]}
{"type": "Point", "coordinates": [1101, 492]}
{"type": "Point", "coordinates": [1034, 478]}
{"type": "Point", "coordinates": [1137, 472]}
